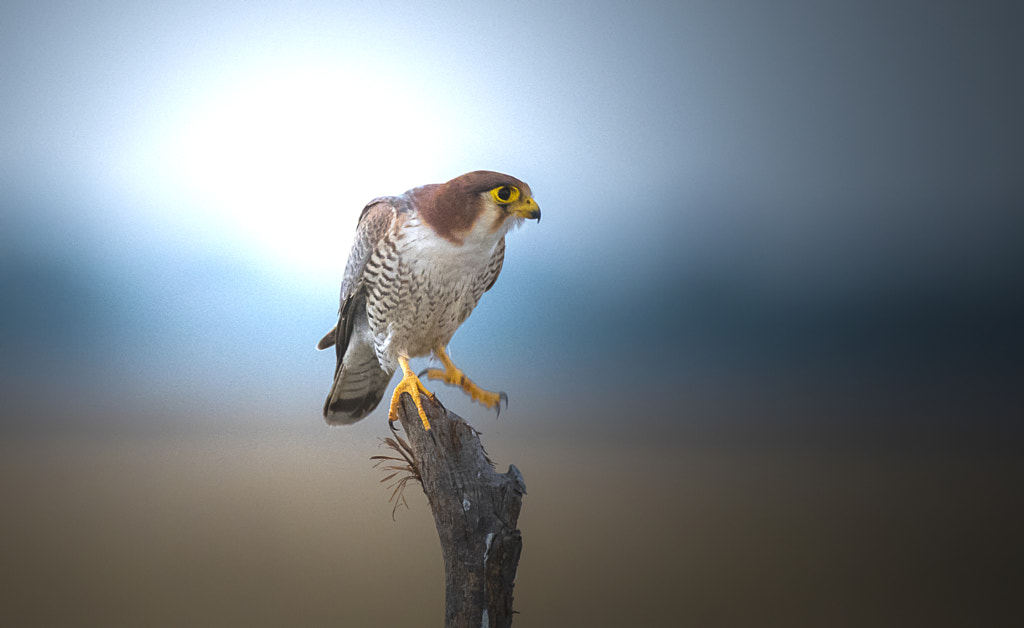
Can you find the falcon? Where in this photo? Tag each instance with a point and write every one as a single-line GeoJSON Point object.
{"type": "Point", "coordinates": [418, 266]}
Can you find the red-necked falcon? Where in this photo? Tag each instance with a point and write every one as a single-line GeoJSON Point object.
{"type": "Point", "coordinates": [419, 264]}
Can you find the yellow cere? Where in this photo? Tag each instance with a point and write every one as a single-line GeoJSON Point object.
{"type": "Point", "coordinates": [505, 194]}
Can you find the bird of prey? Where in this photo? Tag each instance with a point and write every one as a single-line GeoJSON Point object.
{"type": "Point", "coordinates": [419, 264]}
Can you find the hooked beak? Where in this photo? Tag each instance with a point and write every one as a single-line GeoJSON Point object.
{"type": "Point", "coordinates": [527, 208]}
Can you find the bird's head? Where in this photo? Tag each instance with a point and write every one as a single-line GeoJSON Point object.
{"type": "Point", "coordinates": [477, 200]}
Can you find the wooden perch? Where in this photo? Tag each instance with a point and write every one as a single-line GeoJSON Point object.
{"type": "Point", "coordinates": [475, 511]}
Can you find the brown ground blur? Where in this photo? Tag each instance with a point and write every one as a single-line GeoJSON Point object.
{"type": "Point", "coordinates": [272, 528]}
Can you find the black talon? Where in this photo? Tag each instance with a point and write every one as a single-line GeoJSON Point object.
{"type": "Point", "coordinates": [501, 397]}
{"type": "Point", "coordinates": [421, 373]}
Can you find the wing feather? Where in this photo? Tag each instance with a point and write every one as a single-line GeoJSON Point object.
{"type": "Point", "coordinates": [374, 222]}
{"type": "Point", "coordinates": [359, 386]}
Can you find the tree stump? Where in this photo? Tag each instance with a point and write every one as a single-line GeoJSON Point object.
{"type": "Point", "coordinates": [475, 510]}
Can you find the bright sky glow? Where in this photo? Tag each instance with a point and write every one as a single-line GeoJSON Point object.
{"type": "Point", "coordinates": [286, 160]}
{"type": "Point", "coordinates": [263, 129]}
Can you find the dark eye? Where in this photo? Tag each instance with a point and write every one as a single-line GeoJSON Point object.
{"type": "Point", "coordinates": [505, 194]}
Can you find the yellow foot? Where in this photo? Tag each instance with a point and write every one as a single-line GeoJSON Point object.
{"type": "Point", "coordinates": [452, 375]}
{"type": "Point", "coordinates": [412, 385]}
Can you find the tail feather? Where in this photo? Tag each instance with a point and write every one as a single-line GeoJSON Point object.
{"type": "Point", "coordinates": [359, 385]}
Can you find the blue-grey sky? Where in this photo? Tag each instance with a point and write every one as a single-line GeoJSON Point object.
{"type": "Point", "coordinates": [764, 349]}
{"type": "Point", "coordinates": [719, 181]}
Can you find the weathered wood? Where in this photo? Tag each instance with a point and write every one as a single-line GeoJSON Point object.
{"type": "Point", "coordinates": [475, 511]}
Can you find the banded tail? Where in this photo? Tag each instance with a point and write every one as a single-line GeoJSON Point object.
{"type": "Point", "coordinates": [359, 381]}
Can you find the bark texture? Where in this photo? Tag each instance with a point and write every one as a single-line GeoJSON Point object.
{"type": "Point", "coordinates": [475, 510]}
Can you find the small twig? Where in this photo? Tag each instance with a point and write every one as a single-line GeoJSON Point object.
{"type": "Point", "coordinates": [409, 468]}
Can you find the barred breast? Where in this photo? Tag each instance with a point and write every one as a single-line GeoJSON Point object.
{"type": "Point", "coordinates": [421, 288]}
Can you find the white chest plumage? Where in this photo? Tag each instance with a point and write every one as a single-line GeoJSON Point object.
{"type": "Point", "coordinates": [427, 288]}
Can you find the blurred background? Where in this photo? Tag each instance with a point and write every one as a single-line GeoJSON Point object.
{"type": "Point", "coordinates": [764, 352]}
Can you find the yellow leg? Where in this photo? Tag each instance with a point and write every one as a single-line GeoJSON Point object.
{"type": "Point", "coordinates": [412, 385]}
{"type": "Point", "coordinates": [452, 375]}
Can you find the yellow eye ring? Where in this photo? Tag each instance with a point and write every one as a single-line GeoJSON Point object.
{"type": "Point", "coordinates": [505, 194]}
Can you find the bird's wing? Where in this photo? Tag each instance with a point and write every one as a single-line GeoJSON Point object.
{"type": "Point", "coordinates": [377, 217]}
{"type": "Point", "coordinates": [494, 267]}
